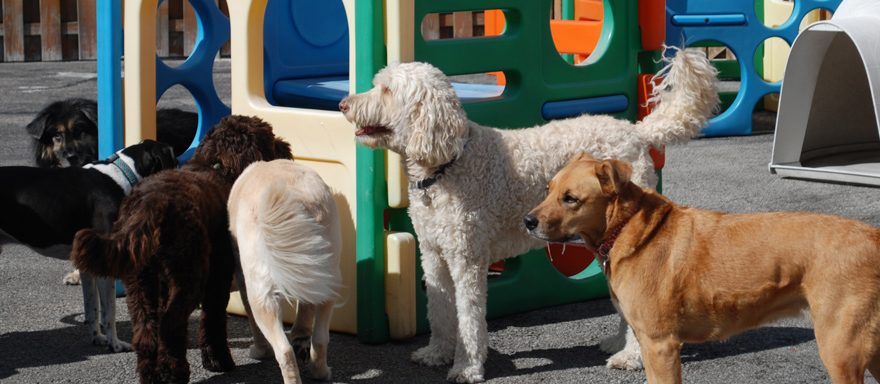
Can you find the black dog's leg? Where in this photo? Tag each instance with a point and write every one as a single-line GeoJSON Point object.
{"type": "Point", "coordinates": [215, 351]}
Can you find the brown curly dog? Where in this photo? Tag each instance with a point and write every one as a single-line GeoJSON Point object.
{"type": "Point", "coordinates": [172, 248]}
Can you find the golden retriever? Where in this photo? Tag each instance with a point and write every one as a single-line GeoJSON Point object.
{"type": "Point", "coordinates": [286, 224]}
{"type": "Point", "coordinates": [682, 274]}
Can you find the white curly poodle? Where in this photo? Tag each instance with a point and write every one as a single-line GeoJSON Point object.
{"type": "Point", "coordinates": [470, 185]}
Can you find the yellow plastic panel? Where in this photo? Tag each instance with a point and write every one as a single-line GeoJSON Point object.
{"type": "Point", "coordinates": [400, 284]}
{"type": "Point", "coordinates": [140, 70]}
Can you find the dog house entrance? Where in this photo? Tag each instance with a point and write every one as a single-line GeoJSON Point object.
{"type": "Point", "coordinates": [827, 128]}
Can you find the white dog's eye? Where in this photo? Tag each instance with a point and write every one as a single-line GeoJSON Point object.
{"type": "Point", "coordinates": [386, 90]}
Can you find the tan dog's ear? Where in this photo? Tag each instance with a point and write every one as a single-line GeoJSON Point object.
{"type": "Point", "coordinates": [437, 120]}
{"type": "Point", "coordinates": [612, 175]}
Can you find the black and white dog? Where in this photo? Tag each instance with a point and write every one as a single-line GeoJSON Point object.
{"type": "Point", "coordinates": [65, 133]}
{"type": "Point", "coordinates": [45, 207]}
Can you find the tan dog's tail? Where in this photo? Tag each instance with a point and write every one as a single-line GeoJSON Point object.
{"type": "Point", "coordinates": [687, 97]}
{"type": "Point", "coordinates": [296, 256]}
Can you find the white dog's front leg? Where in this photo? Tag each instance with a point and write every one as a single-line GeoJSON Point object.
{"type": "Point", "coordinates": [625, 347]}
{"type": "Point", "coordinates": [441, 312]}
{"type": "Point", "coordinates": [473, 336]}
{"type": "Point", "coordinates": [90, 306]}
{"type": "Point", "coordinates": [107, 293]}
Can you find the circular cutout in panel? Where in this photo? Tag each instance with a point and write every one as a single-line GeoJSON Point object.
{"type": "Point", "coordinates": [770, 59]}
{"type": "Point", "coordinates": [723, 58]}
{"type": "Point", "coordinates": [813, 16]}
{"type": "Point", "coordinates": [569, 259]}
{"type": "Point", "coordinates": [576, 36]}
{"type": "Point", "coordinates": [775, 12]}
{"type": "Point", "coordinates": [222, 77]}
{"type": "Point", "coordinates": [177, 118]}
{"type": "Point", "coordinates": [176, 31]}
{"type": "Point", "coordinates": [764, 114]}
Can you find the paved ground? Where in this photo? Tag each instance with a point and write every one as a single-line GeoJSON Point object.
{"type": "Point", "coordinates": [42, 339]}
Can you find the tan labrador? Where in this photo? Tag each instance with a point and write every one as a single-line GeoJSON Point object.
{"type": "Point", "coordinates": [682, 274]}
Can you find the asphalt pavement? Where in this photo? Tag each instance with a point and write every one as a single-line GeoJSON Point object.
{"type": "Point", "coordinates": [42, 339]}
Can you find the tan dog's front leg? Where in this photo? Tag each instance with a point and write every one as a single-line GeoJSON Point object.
{"type": "Point", "coordinates": [662, 358]}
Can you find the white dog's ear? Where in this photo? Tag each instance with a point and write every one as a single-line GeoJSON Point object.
{"type": "Point", "coordinates": [612, 175]}
{"type": "Point", "coordinates": [437, 121]}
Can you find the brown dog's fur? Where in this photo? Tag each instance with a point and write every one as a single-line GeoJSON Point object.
{"type": "Point", "coordinates": [681, 274]}
{"type": "Point", "coordinates": [173, 250]}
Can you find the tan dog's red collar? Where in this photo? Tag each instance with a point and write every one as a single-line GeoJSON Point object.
{"type": "Point", "coordinates": [604, 248]}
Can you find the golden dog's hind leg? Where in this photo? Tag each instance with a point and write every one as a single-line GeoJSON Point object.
{"type": "Point", "coordinates": [840, 350]}
{"type": "Point", "coordinates": [301, 333]}
{"type": "Point", "coordinates": [662, 359]}
{"type": "Point", "coordinates": [845, 331]}
{"type": "Point", "coordinates": [269, 323]}
{"type": "Point", "coordinates": [320, 340]}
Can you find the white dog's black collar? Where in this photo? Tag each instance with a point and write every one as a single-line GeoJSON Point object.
{"type": "Point", "coordinates": [427, 182]}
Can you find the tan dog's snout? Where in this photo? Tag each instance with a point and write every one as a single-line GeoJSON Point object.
{"type": "Point", "coordinates": [577, 200]}
{"type": "Point", "coordinates": [531, 222]}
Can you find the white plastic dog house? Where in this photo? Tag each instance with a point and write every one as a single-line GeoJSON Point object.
{"type": "Point", "coordinates": [829, 109]}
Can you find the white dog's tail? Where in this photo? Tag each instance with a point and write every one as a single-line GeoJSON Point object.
{"type": "Point", "coordinates": [687, 97]}
{"type": "Point", "coordinates": [297, 257]}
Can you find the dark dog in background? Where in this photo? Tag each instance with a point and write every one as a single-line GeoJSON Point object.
{"type": "Point", "coordinates": [65, 133]}
{"type": "Point", "coordinates": [43, 209]}
{"type": "Point", "coordinates": [172, 248]}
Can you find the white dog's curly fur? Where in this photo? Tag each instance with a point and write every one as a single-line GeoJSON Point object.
{"type": "Point", "coordinates": [472, 216]}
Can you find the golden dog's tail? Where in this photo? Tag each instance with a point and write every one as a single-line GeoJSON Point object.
{"type": "Point", "coordinates": [296, 256]}
{"type": "Point", "coordinates": [686, 98]}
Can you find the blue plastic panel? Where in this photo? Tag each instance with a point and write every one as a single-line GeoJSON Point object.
{"type": "Point", "coordinates": [594, 105]}
{"type": "Point", "coordinates": [709, 20]}
{"type": "Point", "coordinates": [304, 39]}
{"type": "Point", "coordinates": [326, 92]}
{"type": "Point", "coordinates": [686, 25]}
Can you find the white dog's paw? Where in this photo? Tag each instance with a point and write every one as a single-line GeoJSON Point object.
{"type": "Point", "coordinates": [99, 339]}
{"type": "Point", "coordinates": [470, 374]}
{"type": "Point", "coordinates": [626, 360]}
{"type": "Point", "coordinates": [320, 373]}
{"type": "Point", "coordinates": [117, 346]}
{"type": "Point", "coordinates": [432, 356]}
{"type": "Point", "coordinates": [613, 344]}
{"type": "Point", "coordinates": [71, 278]}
